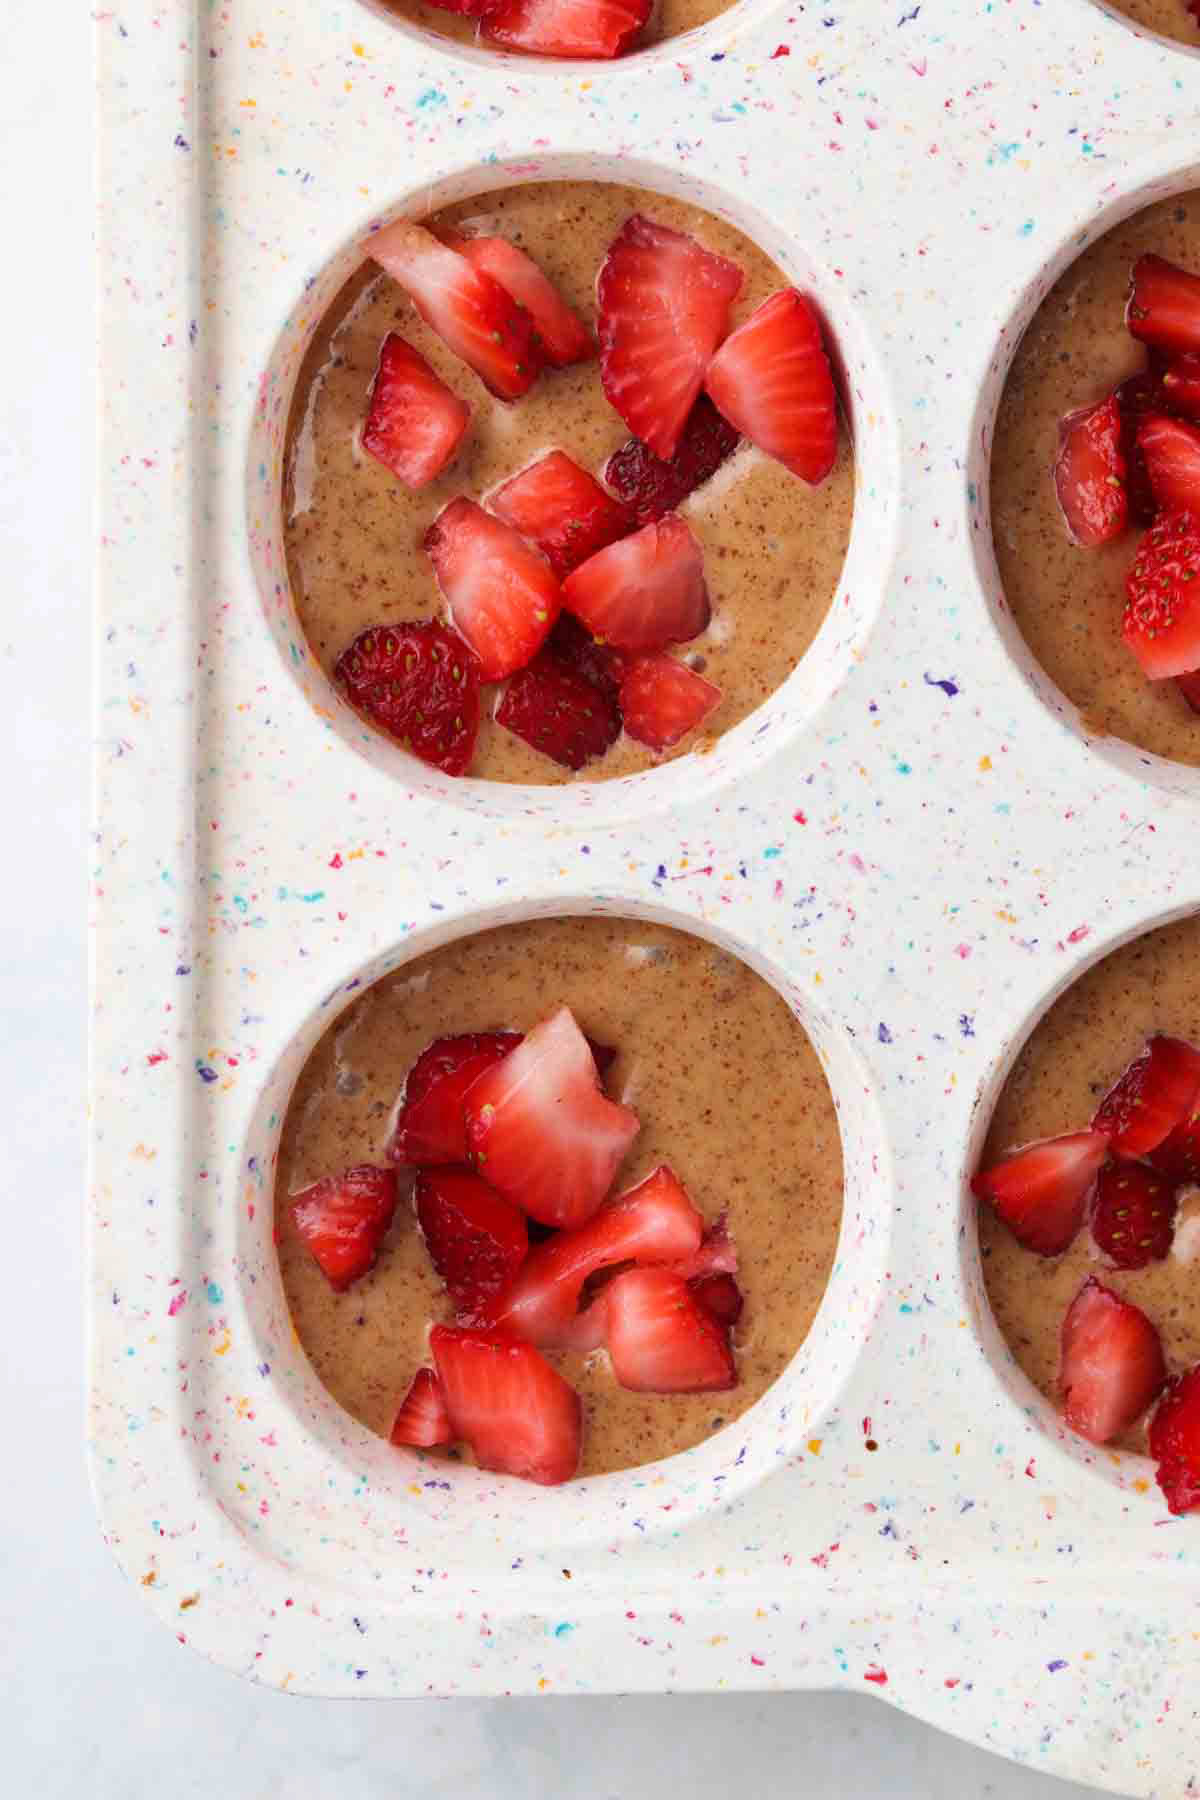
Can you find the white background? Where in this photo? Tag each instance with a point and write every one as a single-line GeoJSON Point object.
{"type": "Point", "coordinates": [95, 1697]}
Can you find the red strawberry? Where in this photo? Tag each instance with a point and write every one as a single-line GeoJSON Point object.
{"type": "Point", "coordinates": [1137, 398]}
{"type": "Point", "coordinates": [1112, 1363]}
{"type": "Point", "coordinates": [564, 338]}
{"type": "Point", "coordinates": [1162, 609]}
{"type": "Point", "coordinates": [1189, 687]}
{"type": "Point", "coordinates": [1089, 474]}
{"type": "Point", "coordinates": [429, 1125]}
{"type": "Point", "coordinates": [541, 1130]}
{"type": "Point", "coordinates": [663, 307]}
{"type": "Point", "coordinates": [501, 595]}
{"type": "Point", "coordinates": [559, 712]}
{"type": "Point", "coordinates": [1041, 1191]}
{"type": "Point", "coordinates": [1178, 1156]}
{"type": "Point", "coordinates": [420, 684]}
{"type": "Point", "coordinates": [563, 510]}
{"type": "Point", "coordinates": [422, 1419]}
{"type": "Point", "coordinates": [654, 1222]}
{"type": "Point", "coordinates": [771, 380]}
{"type": "Point", "coordinates": [1175, 1442]}
{"type": "Point", "coordinates": [661, 1339]}
{"type": "Point", "coordinates": [1181, 384]}
{"type": "Point", "coordinates": [721, 1296]}
{"type": "Point", "coordinates": [476, 1240]}
{"type": "Point", "coordinates": [585, 28]}
{"type": "Point", "coordinates": [717, 1254]}
{"type": "Point", "coordinates": [1172, 453]}
{"type": "Point", "coordinates": [414, 422]}
{"type": "Point", "coordinates": [1133, 1215]}
{"type": "Point", "coordinates": [588, 1330]}
{"type": "Point", "coordinates": [342, 1219]}
{"type": "Point", "coordinates": [517, 1413]}
{"type": "Point", "coordinates": [644, 591]}
{"type": "Point", "coordinates": [603, 1055]}
{"type": "Point", "coordinates": [470, 9]}
{"type": "Point", "coordinates": [469, 311]}
{"type": "Point", "coordinates": [1164, 305]}
{"type": "Point", "coordinates": [1157, 1091]}
{"type": "Point", "coordinates": [653, 487]}
{"type": "Point", "coordinates": [662, 700]}
{"type": "Point", "coordinates": [601, 664]}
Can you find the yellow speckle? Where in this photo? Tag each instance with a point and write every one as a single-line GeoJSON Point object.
{"type": "Point", "coordinates": [223, 1345]}
{"type": "Point", "coordinates": [543, 1684]}
{"type": "Point", "coordinates": [358, 49]}
{"type": "Point", "coordinates": [719, 1639]}
{"type": "Point", "coordinates": [760, 1612]}
{"type": "Point", "coordinates": [1141, 1485]}
{"type": "Point", "coordinates": [258, 41]}
{"type": "Point", "coordinates": [189, 1600]}
{"type": "Point", "coordinates": [1009, 918]}
{"type": "Point", "coordinates": [149, 1578]}
{"type": "Point", "coordinates": [243, 1406]}
{"type": "Point", "coordinates": [818, 979]}
{"type": "Point", "coordinates": [958, 1447]}
{"type": "Point", "coordinates": [1089, 1655]}
{"type": "Point", "coordinates": [985, 763]}
{"type": "Point", "coordinates": [247, 102]}
{"type": "Point", "coordinates": [142, 1153]}
{"type": "Point", "coordinates": [814, 1446]}
{"type": "Point", "coordinates": [414, 1489]}
{"type": "Point", "coordinates": [241, 1487]}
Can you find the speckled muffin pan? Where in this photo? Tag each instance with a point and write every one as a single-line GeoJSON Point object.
{"type": "Point", "coordinates": [914, 839]}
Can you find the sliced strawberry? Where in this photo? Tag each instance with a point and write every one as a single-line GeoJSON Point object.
{"type": "Point", "coordinates": [1189, 687]}
{"type": "Point", "coordinates": [1172, 453]}
{"type": "Point", "coordinates": [652, 487]}
{"type": "Point", "coordinates": [716, 1255]}
{"type": "Point", "coordinates": [342, 1219]}
{"type": "Point", "coordinates": [1157, 1091]}
{"type": "Point", "coordinates": [429, 1125]}
{"type": "Point", "coordinates": [1041, 1191]}
{"type": "Point", "coordinates": [415, 423]}
{"type": "Point", "coordinates": [422, 1419]}
{"type": "Point", "coordinates": [663, 307]}
{"type": "Point", "coordinates": [1089, 474]}
{"type": "Point", "coordinates": [1178, 1156]}
{"type": "Point", "coordinates": [476, 1239]}
{"type": "Point", "coordinates": [1181, 385]}
{"type": "Point", "coordinates": [584, 28]}
{"type": "Point", "coordinates": [540, 1129]}
{"type": "Point", "coordinates": [559, 712]}
{"type": "Point", "coordinates": [645, 591]}
{"type": "Point", "coordinates": [563, 510]}
{"type": "Point", "coordinates": [601, 664]}
{"type": "Point", "coordinates": [471, 9]}
{"type": "Point", "coordinates": [517, 1413]}
{"type": "Point", "coordinates": [654, 1222]}
{"type": "Point", "coordinates": [721, 1296]}
{"type": "Point", "coordinates": [588, 1330]}
{"type": "Point", "coordinates": [603, 1055]}
{"type": "Point", "coordinates": [1112, 1363]}
{"type": "Point", "coordinates": [1175, 1442]}
{"type": "Point", "coordinates": [564, 338]}
{"type": "Point", "coordinates": [1162, 609]}
{"type": "Point", "coordinates": [501, 595]}
{"type": "Point", "coordinates": [1138, 397]}
{"type": "Point", "coordinates": [662, 700]}
{"type": "Point", "coordinates": [420, 684]}
{"type": "Point", "coordinates": [1133, 1215]}
{"type": "Point", "coordinates": [771, 380]}
{"type": "Point", "coordinates": [1164, 304]}
{"type": "Point", "coordinates": [661, 1339]}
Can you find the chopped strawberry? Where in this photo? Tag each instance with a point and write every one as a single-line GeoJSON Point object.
{"type": "Point", "coordinates": [1162, 609]}
{"type": "Point", "coordinates": [517, 1413]}
{"type": "Point", "coordinates": [662, 700]}
{"type": "Point", "coordinates": [1172, 453]}
{"type": "Point", "coordinates": [644, 591]}
{"type": "Point", "coordinates": [1189, 687]}
{"type": "Point", "coordinates": [721, 1296]}
{"type": "Point", "coordinates": [1164, 304]}
{"type": "Point", "coordinates": [564, 338]}
{"type": "Point", "coordinates": [601, 664]}
{"type": "Point", "coordinates": [587, 1331]}
{"type": "Point", "coordinates": [470, 311]}
{"type": "Point", "coordinates": [663, 307]}
{"type": "Point", "coordinates": [1089, 474]}
{"type": "Point", "coordinates": [342, 1219]}
{"type": "Point", "coordinates": [429, 1125]}
{"type": "Point", "coordinates": [584, 28]}
{"type": "Point", "coordinates": [1175, 1442]}
{"type": "Point", "coordinates": [1138, 397]}
{"type": "Point", "coordinates": [420, 684]}
{"type": "Point", "coordinates": [1041, 1191]}
{"type": "Point", "coordinates": [559, 712]}
{"type": "Point", "coordinates": [1157, 1091]}
{"type": "Point", "coordinates": [414, 422]}
{"type": "Point", "coordinates": [541, 1130]}
{"type": "Point", "coordinates": [471, 9]}
{"type": "Point", "coordinates": [501, 595]}
{"type": "Point", "coordinates": [771, 380]}
{"type": "Point", "coordinates": [1112, 1363]}
{"type": "Point", "coordinates": [716, 1255]}
{"type": "Point", "coordinates": [652, 487]}
{"type": "Point", "coordinates": [563, 510]}
{"type": "Point", "coordinates": [1178, 1156]}
{"type": "Point", "coordinates": [422, 1419]}
{"type": "Point", "coordinates": [603, 1055]}
{"type": "Point", "coordinates": [1181, 385]}
{"type": "Point", "coordinates": [476, 1239]}
{"type": "Point", "coordinates": [661, 1339]}
{"type": "Point", "coordinates": [1133, 1215]}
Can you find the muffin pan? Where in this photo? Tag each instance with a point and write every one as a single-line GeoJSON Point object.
{"type": "Point", "coordinates": [914, 840]}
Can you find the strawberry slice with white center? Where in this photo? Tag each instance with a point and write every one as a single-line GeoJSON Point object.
{"type": "Point", "coordinates": [470, 311]}
{"type": "Point", "coordinates": [503, 599]}
{"type": "Point", "coordinates": [663, 307]}
{"type": "Point", "coordinates": [661, 1339]}
{"type": "Point", "coordinates": [564, 337]}
{"type": "Point", "coordinates": [415, 423]}
{"type": "Point", "coordinates": [771, 380]}
{"type": "Point", "coordinates": [342, 1219]}
{"type": "Point", "coordinates": [422, 1420]}
{"type": "Point", "coordinates": [542, 1131]}
{"type": "Point", "coordinates": [1161, 623]}
{"type": "Point", "coordinates": [1156, 1093]}
{"type": "Point", "coordinates": [1181, 385]}
{"type": "Point", "coordinates": [517, 1413]}
{"type": "Point", "coordinates": [1164, 304]}
{"type": "Point", "coordinates": [1112, 1363]}
{"type": "Point", "coordinates": [584, 28]}
{"type": "Point", "coordinates": [662, 700]}
{"type": "Point", "coordinates": [476, 1240]}
{"type": "Point", "coordinates": [1172, 453]}
{"type": "Point", "coordinates": [1175, 1442]}
{"type": "Point", "coordinates": [563, 510]}
{"type": "Point", "coordinates": [429, 1125]}
{"type": "Point", "coordinates": [645, 591]}
{"type": "Point", "coordinates": [1041, 1191]}
{"type": "Point", "coordinates": [1090, 474]}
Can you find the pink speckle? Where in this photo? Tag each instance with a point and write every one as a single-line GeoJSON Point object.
{"type": "Point", "coordinates": [178, 1302]}
{"type": "Point", "coordinates": [758, 1662]}
{"type": "Point", "coordinates": [335, 861]}
{"type": "Point", "coordinates": [780, 50]}
{"type": "Point", "coordinates": [156, 1056]}
{"type": "Point", "coordinates": [963, 951]}
{"type": "Point", "coordinates": [920, 68]}
{"type": "Point", "coordinates": [877, 1675]}
{"type": "Point", "coordinates": [800, 818]}
{"type": "Point", "coordinates": [1031, 1469]}
{"type": "Point", "coordinates": [1080, 932]}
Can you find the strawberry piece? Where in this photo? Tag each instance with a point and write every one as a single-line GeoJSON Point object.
{"type": "Point", "coordinates": [603, 1055]}
{"type": "Point", "coordinates": [771, 379]}
{"type": "Point", "coordinates": [721, 1296]}
{"type": "Point", "coordinates": [541, 1130]}
{"type": "Point", "coordinates": [601, 664]}
{"type": "Point", "coordinates": [1189, 687]}
{"type": "Point", "coordinates": [342, 1219]}
{"type": "Point", "coordinates": [1138, 397]}
{"type": "Point", "coordinates": [517, 1413]}
{"type": "Point", "coordinates": [644, 591]}
{"type": "Point", "coordinates": [420, 684]}
{"type": "Point", "coordinates": [585, 28]}
{"type": "Point", "coordinates": [470, 9]}
{"type": "Point", "coordinates": [1111, 1364]}
{"type": "Point", "coordinates": [654, 1222]}
{"type": "Point", "coordinates": [1162, 608]}
{"type": "Point", "coordinates": [1175, 1442]}
{"type": "Point", "coordinates": [563, 510]}
{"type": "Point", "coordinates": [476, 1240]}
{"type": "Point", "coordinates": [564, 338]}
{"type": "Point", "coordinates": [651, 487]}
{"type": "Point", "coordinates": [587, 1331]}
{"type": "Point", "coordinates": [422, 1419]}
{"type": "Point", "coordinates": [1041, 1191]}
{"type": "Point", "coordinates": [1172, 453]}
{"type": "Point", "coordinates": [502, 597]}
{"type": "Point", "coordinates": [1164, 304]}
{"type": "Point", "coordinates": [716, 1255]}
{"type": "Point", "coordinates": [663, 307]}
{"type": "Point", "coordinates": [661, 1339]}
{"type": "Point", "coordinates": [559, 712]}
{"type": "Point", "coordinates": [429, 1126]}
{"type": "Point", "coordinates": [469, 310]}
{"type": "Point", "coordinates": [1181, 385]}
{"type": "Point", "coordinates": [1133, 1215]}
{"type": "Point", "coordinates": [1178, 1156]}
{"type": "Point", "coordinates": [1157, 1091]}
{"type": "Point", "coordinates": [1089, 474]}
{"type": "Point", "coordinates": [414, 422]}
{"type": "Point", "coordinates": [662, 700]}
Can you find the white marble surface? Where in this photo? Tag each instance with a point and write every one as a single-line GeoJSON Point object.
{"type": "Point", "coordinates": [94, 1696]}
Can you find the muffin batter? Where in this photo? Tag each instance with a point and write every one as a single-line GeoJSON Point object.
{"type": "Point", "coordinates": [667, 20]}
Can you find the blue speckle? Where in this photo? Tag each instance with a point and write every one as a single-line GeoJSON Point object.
{"type": "Point", "coordinates": [772, 850]}
{"type": "Point", "coordinates": [948, 686]}
{"type": "Point", "coordinates": [215, 1293]}
{"type": "Point", "coordinates": [966, 1024]}
{"type": "Point", "coordinates": [1026, 229]}
{"type": "Point", "coordinates": [204, 1072]}
{"type": "Point", "coordinates": [431, 97]}
{"type": "Point", "coordinates": [883, 1034]}
{"type": "Point", "coordinates": [1056, 1665]}
{"type": "Point", "coordinates": [562, 1630]}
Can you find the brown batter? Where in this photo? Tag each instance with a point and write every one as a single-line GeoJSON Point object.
{"type": "Point", "coordinates": [1085, 1041]}
{"type": "Point", "coordinates": [729, 1092]}
{"type": "Point", "coordinates": [1170, 18]}
{"type": "Point", "coordinates": [667, 19]}
{"type": "Point", "coordinates": [773, 547]}
{"type": "Point", "coordinates": [1067, 601]}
